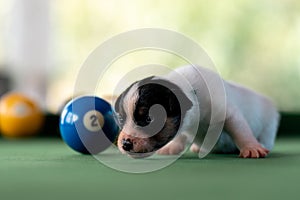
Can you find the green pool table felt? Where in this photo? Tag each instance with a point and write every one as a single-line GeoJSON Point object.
{"type": "Point", "coordinates": [45, 168]}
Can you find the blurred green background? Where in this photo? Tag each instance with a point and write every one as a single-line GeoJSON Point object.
{"type": "Point", "coordinates": [255, 43]}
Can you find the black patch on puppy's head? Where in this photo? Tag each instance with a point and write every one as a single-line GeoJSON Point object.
{"type": "Point", "coordinates": [154, 90]}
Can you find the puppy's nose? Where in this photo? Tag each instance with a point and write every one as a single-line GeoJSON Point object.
{"type": "Point", "coordinates": [127, 145]}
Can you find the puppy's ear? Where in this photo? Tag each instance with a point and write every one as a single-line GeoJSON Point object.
{"type": "Point", "coordinates": [184, 102]}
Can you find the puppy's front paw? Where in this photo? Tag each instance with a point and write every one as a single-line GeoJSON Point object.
{"type": "Point", "coordinates": [195, 148]}
{"type": "Point", "coordinates": [172, 148]}
{"type": "Point", "coordinates": [253, 151]}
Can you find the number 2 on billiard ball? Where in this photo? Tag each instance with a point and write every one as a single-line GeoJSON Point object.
{"type": "Point", "coordinates": [93, 120]}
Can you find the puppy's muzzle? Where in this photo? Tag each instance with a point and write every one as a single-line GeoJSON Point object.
{"type": "Point", "coordinates": [136, 147]}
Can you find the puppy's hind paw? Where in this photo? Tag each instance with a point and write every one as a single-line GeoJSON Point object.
{"type": "Point", "coordinates": [253, 151]}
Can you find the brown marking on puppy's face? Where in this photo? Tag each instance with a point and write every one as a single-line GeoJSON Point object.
{"type": "Point", "coordinates": [144, 132]}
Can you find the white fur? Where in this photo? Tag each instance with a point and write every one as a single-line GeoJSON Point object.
{"type": "Point", "coordinates": [251, 120]}
{"type": "Point", "coordinates": [129, 100]}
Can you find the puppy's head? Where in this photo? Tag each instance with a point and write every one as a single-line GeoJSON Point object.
{"type": "Point", "coordinates": [150, 113]}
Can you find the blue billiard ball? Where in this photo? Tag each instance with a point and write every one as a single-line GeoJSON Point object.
{"type": "Point", "coordinates": [87, 124]}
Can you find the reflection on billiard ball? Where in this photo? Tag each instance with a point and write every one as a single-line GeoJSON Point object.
{"type": "Point", "coordinates": [19, 116]}
{"type": "Point", "coordinates": [87, 125]}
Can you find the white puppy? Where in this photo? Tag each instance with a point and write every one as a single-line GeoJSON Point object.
{"type": "Point", "coordinates": [250, 119]}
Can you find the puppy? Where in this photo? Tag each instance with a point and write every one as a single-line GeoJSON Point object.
{"type": "Point", "coordinates": [249, 125]}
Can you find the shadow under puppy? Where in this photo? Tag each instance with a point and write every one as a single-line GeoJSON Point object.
{"type": "Point", "coordinates": [250, 121]}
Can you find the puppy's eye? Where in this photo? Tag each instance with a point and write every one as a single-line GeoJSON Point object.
{"type": "Point", "coordinates": [148, 119]}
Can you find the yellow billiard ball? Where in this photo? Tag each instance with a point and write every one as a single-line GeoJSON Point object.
{"type": "Point", "coordinates": [19, 116]}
